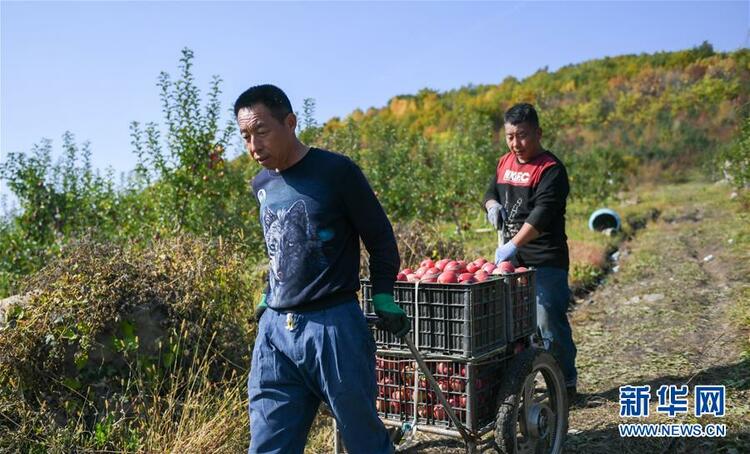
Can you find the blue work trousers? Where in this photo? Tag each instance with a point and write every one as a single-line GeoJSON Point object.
{"type": "Point", "coordinates": [552, 300]}
{"type": "Point", "coordinates": [302, 359]}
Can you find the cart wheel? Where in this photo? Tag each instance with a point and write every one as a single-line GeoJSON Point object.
{"type": "Point", "coordinates": [532, 413]}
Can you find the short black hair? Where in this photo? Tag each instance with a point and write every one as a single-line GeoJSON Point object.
{"type": "Point", "coordinates": [522, 113]}
{"type": "Point", "coordinates": [270, 96]}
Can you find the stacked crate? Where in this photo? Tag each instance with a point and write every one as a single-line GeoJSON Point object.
{"type": "Point", "coordinates": [462, 331]}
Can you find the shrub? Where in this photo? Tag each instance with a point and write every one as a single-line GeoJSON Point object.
{"type": "Point", "coordinates": [110, 331]}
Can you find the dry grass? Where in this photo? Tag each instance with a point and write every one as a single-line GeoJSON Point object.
{"type": "Point", "coordinates": [129, 349]}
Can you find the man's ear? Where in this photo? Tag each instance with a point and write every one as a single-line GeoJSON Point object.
{"type": "Point", "coordinates": [291, 121]}
{"type": "Point", "coordinates": [539, 132]}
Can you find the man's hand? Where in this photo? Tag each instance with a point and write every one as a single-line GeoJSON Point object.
{"type": "Point", "coordinates": [494, 216]}
{"type": "Point", "coordinates": [260, 308]}
{"type": "Point", "coordinates": [505, 252]}
{"type": "Point", "coordinates": [391, 318]}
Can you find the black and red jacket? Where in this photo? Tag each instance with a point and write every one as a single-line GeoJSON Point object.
{"type": "Point", "coordinates": [534, 192]}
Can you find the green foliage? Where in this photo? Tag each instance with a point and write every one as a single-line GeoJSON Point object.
{"type": "Point", "coordinates": [185, 180]}
{"type": "Point", "coordinates": [735, 160]}
{"type": "Point", "coordinates": [307, 126]}
{"type": "Point", "coordinates": [415, 177]}
{"type": "Point", "coordinates": [183, 183]}
{"type": "Point", "coordinates": [57, 200]}
{"type": "Point", "coordinates": [598, 175]}
{"type": "Point", "coordinates": [672, 108]}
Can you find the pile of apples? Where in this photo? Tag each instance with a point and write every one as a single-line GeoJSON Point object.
{"type": "Point", "coordinates": [448, 271]}
{"type": "Point", "coordinates": [396, 388]}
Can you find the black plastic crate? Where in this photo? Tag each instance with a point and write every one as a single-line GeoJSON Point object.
{"type": "Point", "coordinates": [464, 320]}
{"type": "Point", "coordinates": [470, 386]}
{"type": "Point", "coordinates": [453, 319]}
{"type": "Point", "coordinates": [522, 302]}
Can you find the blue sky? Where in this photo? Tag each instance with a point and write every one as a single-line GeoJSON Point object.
{"type": "Point", "coordinates": [91, 67]}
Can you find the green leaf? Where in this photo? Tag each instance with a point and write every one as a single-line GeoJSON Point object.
{"type": "Point", "coordinates": [72, 383]}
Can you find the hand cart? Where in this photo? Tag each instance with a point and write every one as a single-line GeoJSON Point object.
{"type": "Point", "coordinates": [471, 368]}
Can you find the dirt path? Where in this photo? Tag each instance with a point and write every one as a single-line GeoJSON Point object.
{"type": "Point", "coordinates": [665, 317]}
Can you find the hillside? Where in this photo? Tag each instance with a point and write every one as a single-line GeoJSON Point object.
{"type": "Point", "coordinates": [652, 105]}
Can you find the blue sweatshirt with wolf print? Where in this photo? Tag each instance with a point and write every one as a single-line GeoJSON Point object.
{"type": "Point", "coordinates": [313, 215]}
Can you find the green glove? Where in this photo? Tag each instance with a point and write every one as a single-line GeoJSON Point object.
{"type": "Point", "coordinates": [391, 318]}
{"type": "Point", "coordinates": [260, 308]}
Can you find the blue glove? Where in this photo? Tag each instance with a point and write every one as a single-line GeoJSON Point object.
{"type": "Point", "coordinates": [505, 252]}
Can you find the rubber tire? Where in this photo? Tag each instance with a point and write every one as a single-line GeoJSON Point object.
{"type": "Point", "coordinates": [509, 396]}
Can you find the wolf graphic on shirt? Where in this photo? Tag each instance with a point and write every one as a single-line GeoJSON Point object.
{"type": "Point", "coordinates": [293, 249]}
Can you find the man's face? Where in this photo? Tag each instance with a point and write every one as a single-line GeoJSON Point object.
{"type": "Point", "coordinates": [268, 141]}
{"type": "Point", "coordinates": [524, 140]}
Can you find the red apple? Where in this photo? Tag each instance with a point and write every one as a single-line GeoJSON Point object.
{"type": "Point", "coordinates": [427, 263]}
{"type": "Point", "coordinates": [522, 280]}
{"type": "Point", "coordinates": [407, 271]}
{"type": "Point", "coordinates": [443, 369]}
{"type": "Point", "coordinates": [401, 277]}
{"type": "Point", "coordinates": [481, 276]}
{"type": "Point", "coordinates": [439, 412]}
{"type": "Point", "coordinates": [447, 277]}
{"type": "Point", "coordinates": [440, 264]}
{"type": "Point", "coordinates": [480, 261]}
{"type": "Point", "coordinates": [506, 267]}
{"type": "Point", "coordinates": [401, 395]}
{"type": "Point", "coordinates": [423, 411]}
{"type": "Point", "coordinates": [429, 278]}
{"type": "Point", "coordinates": [426, 396]}
{"type": "Point", "coordinates": [498, 271]}
{"type": "Point", "coordinates": [457, 385]}
{"type": "Point", "coordinates": [420, 272]}
{"type": "Point", "coordinates": [465, 277]}
{"type": "Point", "coordinates": [403, 365]}
{"type": "Point", "coordinates": [395, 407]}
{"type": "Point", "coordinates": [412, 278]}
{"type": "Point", "coordinates": [462, 263]}
{"type": "Point", "coordinates": [463, 371]}
{"type": "Point", "coordinates": [472, 267]}
{"type": "Point", "coordinates": [462, 401]}
{"type": "Point", "coordinates": [456, 267]}
{"type": "Point", "coordinates": [488, 267]}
